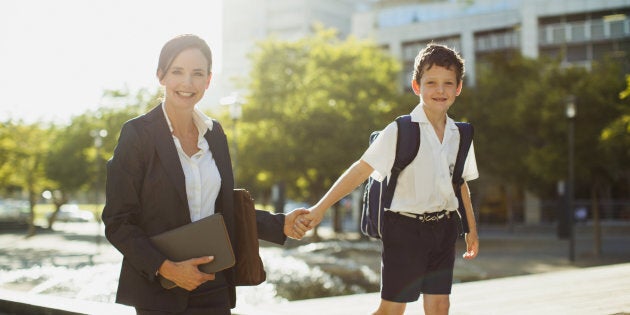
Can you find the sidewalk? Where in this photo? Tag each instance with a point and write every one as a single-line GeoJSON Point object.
{"type": "Point", "coordinates": [589, 291]}
{"type": "Point", "coordinates": [525, 270]}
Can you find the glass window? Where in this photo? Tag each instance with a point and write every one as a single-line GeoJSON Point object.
{"type": "Point", "coordinates": [576, 53]}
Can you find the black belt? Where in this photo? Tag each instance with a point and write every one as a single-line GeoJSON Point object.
{"type": "Point", "coordinates": [428, 217]}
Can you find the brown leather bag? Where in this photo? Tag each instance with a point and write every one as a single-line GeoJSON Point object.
{"type": "Point", "coordinates": [249, 267]}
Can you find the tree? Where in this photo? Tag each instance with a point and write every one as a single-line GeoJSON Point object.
{"type": "Point", "coordinates": [84, 146]}
{"type": "Point", "coordinates": [615, 141]}
{"type": "Point", "coordinates": [518, 109]}
{"type": "Point", "coordinates": [312, 106]}
{"type": "Point", "coordinates": [25, 149]}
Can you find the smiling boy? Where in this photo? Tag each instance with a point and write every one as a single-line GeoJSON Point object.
{"type": "Point", "coordinates": [420, 227]}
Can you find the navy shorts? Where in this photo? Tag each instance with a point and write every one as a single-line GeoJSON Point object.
{"type": "Point", "coordinates": [417, 257]}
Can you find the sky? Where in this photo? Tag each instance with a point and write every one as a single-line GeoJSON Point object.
{"type": "Point", "coordinates": [57, 57]}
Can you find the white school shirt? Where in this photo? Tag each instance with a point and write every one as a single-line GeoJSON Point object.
{"type": "Point", "coordinates": [201, 173]}
{"type": "Point", "coordinates": [425, 184]}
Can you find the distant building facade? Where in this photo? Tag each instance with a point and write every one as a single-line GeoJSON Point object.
{"type": "Point", "coordinates": [247, 21]}
{"type": "Point", "coordinates": [579, 30]}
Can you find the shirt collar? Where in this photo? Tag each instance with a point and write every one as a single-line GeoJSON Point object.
{"type": "Point", "coordinates": [418, 115]}
{"type": "Point", "coordinates": [202, 122]}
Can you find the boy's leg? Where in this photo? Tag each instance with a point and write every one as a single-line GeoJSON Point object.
{"type": "Point", "coordinates": [437, 289]}
{"type": "Point", "coordinates": [436, 304]}
{"type": "Point", "coordinates": [390, 308]}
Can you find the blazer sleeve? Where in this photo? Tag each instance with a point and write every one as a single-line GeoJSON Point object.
{"type": "Point", "coordinates": [270, 227]}
{"type": "Point", "coordinates": [122, 212]}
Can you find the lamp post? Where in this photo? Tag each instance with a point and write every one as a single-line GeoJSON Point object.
{"type": "Point", "coordinates": [98, 136]}
{"type": "Point", "coordinates": [571, 112]}
{"type": "Point", "coordinates": [236, 112]}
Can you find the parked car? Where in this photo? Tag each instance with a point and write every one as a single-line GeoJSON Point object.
{"type": "Point", "coordinates": [14, 212]}
{"type": "Point", "coordinates": [72, 213]}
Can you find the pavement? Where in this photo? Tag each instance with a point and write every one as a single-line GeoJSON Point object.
{"type": "Point", "coordinates": [520, 270]}
{"type": "Point", "coordinates": [588, 291]}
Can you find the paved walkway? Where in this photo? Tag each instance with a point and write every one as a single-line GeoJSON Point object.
{"type": "Point", "coordinates": [529, 269]}
{"type": "Point", "coordinates": [588, 291]}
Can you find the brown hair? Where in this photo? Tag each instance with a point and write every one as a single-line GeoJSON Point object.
{"type": "Point", "coordinates": [439, 55]}
{"type": "Point", "coordinates": [175, 46]}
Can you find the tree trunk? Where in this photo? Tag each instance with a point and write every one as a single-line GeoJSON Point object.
{"type": "Point", "coordinates": [597, 232]}
{"type": "Point", "coordinates": [32, 200]}
{"type": "Point", "coordinates": [509, 196]}
{"type": "Point", "coordinates": [59, 198]}
{"type": "Point", "coordinates": [337, 218]}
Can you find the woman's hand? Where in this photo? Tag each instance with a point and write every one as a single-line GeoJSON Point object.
{"type": "Point", "coordinates": [294, 225]}
{"type": "Point", "coordinates": [186, 273]}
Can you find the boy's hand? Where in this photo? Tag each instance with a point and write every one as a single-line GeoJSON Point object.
{"type": "Point", "coordinates": [314, 217]}
{"type": "Point", "coordinates": [472, 245]}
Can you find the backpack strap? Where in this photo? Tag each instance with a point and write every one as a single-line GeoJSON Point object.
{"type": "Point", "coordinates": [466, 132]}
{"type": "Point", "coordinates": [407, 145]}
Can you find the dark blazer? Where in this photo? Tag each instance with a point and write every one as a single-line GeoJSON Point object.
{"type": "Point", "coordinates": [146, 195]}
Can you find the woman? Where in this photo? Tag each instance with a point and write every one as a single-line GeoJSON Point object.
{"type": "Point", "coordinates": [172, 167]}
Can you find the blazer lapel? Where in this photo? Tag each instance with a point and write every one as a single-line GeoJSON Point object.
{"type": "Point", "coordinates": [167, 152]}
{"type": "Point", "coordinates": [218, 147]}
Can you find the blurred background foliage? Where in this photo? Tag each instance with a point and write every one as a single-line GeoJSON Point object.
{"type": "Point", "coordinates": [312, 103]}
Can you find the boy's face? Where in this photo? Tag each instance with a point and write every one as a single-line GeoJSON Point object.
{"type": "Point", "coordinates": [438, 88]}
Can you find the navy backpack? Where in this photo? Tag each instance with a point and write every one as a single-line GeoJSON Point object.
{"type": "Point", "coordinates": [378, 195]}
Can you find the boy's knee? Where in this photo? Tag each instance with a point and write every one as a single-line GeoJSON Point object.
{"type": "Point", "coordinates": [390, 308]}
{"type": "Point", "coordinates": [436, 305]}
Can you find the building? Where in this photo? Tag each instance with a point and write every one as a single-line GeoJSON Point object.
{"type": "Point", "coordinates": [579, 30]}
{"type": "Point", "coordinates": [247, 21]}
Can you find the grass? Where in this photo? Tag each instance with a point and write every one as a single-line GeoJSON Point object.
{"type": "Point", "coordinates": [42, 210]}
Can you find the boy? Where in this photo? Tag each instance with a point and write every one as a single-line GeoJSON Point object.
{"type": "Point", "coordinates": [420, 228]}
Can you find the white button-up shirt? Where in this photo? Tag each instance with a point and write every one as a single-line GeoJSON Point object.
{"type": "Point", "coordinates": [203, 180]}
{"type": "Point", "coordinates": [425, 184]}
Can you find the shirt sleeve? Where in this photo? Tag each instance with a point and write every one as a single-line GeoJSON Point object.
{"type": "Point", "coordinates": [470, 165]}
{"type": "Point", "coordinates": [381, 153]}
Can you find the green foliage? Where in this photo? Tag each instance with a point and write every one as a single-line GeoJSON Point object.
{"type": "Point", "coordinates": [518, 109]}
{"type": "Point", "coordinates": [77, 159]}
{"type": "Point", "coordinates": [615, 137]}
{"type": "Point", "coordinates": [312, 105]}
{"type": "Point", "coordinates": [36, 157]}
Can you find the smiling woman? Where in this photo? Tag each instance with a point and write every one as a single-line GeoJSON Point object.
{"type": "Point", "coordinates": [89, 46]}
{"type": "Point", "coordinates": [172, 167]}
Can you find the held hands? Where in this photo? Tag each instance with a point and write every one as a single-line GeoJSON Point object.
{"type": "Point", "coordinates": [306, 220]}
{"type": "Point", "coordinates": [185, 273]}
{"type": "Point", "coordinates": [314, 217]}
{"type": "Point", "coordinates": [294, 225]}
{"type": "Point", "coordinates": [472, 246]}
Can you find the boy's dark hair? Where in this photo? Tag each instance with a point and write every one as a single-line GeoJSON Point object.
{"type": "Point", "coordinates": [175, 46]}
{"type": "Point", "coordinates": [439, 55]}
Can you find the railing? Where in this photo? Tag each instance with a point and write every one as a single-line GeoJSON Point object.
{"type": "Point", "coordinates": [583, 31]}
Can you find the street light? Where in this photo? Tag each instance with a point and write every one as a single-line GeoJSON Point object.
{"type": "Point", "coordinates": [98, 136]}
{"type": "Point", "coordinates": [571, 112]}
{"type": "Point", "coordinates": [236, 112]}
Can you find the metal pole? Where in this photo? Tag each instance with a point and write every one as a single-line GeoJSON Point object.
{"type": "Point", "coordinates": [234, 145]}
{"type": "Point", "coordinates": [570, 191]}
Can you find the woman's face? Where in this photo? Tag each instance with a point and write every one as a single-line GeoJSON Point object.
{"type": "Point", "coordinates": [186, 80]}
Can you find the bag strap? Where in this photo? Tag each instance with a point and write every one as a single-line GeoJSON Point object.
{"type": "Point", "coordinates": [466, 132]}
{"type": "Point", "coordinates": [466, 135]}
{"type": "Point", "coordinates": [407, 145]}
